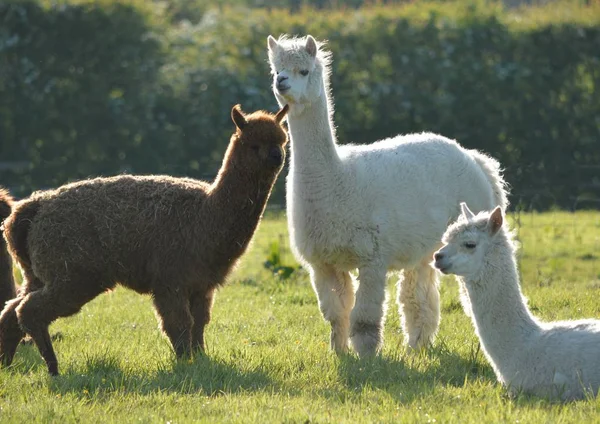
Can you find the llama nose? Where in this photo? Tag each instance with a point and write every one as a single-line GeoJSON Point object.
{"type": "Point", "coordinates": [281, 84]}
{"type": "Point", "coordinates": [438, 256]}
{"type": "Point", "coordinates": [275, 156]}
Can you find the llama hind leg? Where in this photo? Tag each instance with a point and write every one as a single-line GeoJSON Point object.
{"type": "Point", "coordinates": [368, 316]}
{"type": "Point", "coordinates": [335, 290]}
{"type": "Point", "coordinates": [35, 317]}
{"type": "Point", "coordinates": [40, 308]}
{"type": "Point", "coordinates": [419, 305]}
{"type": "Point", "coordinates": [11, 333]}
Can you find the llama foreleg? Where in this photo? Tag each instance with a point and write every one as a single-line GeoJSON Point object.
{"type": "Point", "coordinates": [419, 305]}
{"type": "Point", "coordinates": [173, 313]}
{"type": "Point", "coordinates": [335, 290]}
{"type": "Point", "coordinates": [368, 316]}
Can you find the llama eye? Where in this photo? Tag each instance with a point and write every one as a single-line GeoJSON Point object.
{"type": "Point", "coordinates": [470, 245]}
{"type": "Point", "coordinates": [254, 147]}
{"type": "Point", "coordinates": [304, 72]}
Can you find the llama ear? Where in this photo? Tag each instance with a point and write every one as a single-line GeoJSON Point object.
{"type": "Point", "coordinates": [311, 46]}
{"type": "Point", "coordinates": [281, 114]}
{"type": "Point", "coordinates": [495, 221]}
{"type": "Point", "coordinates": [272, 43]}
{"type": "Point", "coordinates": [238, 117]}
{"type": "Point", "coordinates": [466, 211]}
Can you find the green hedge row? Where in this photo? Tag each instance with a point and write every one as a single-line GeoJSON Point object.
{"type": "Point", "coordinates": [95, 88]}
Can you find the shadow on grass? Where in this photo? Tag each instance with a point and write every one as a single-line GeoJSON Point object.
{"type": "Point", "coordinates": [410, 376]}
{"type": "Point", "coordinates": [103, 375]}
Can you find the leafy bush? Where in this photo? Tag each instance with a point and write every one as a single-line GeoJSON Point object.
{"type": "Point", "coordinates": [89, 88]}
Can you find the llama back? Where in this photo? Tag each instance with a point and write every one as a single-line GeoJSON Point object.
{"type": "Point", "coordinates": [93, 222]}
{"type": "Point", "coordinates": [425, 170]}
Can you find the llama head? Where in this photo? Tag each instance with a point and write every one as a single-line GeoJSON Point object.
{"type": "Point", "coordinates": [467, 242]}
{"type": "Point", "coordinates": [259, 141]}
{"type": "Point", "coordinates": [300, 70]}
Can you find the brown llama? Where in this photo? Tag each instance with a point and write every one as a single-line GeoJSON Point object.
{"type": "Point", "coordinates": [7, 284]}
{"type": "Point", "coordinates": [176, 239]}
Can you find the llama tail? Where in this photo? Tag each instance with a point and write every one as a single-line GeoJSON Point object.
{"type": "Point", "coordinates": [493, 172]}
{"type": "Point", "coordinates": [16, 231]}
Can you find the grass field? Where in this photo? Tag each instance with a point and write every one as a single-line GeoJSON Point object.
{"type": "Point", "coordinates": [268, 355]}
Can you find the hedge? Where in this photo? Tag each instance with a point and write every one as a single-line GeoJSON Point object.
{"type": "Point", "coordinates": [95, 88]}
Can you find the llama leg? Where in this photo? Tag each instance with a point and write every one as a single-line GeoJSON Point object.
{"type": "Point", "coordinates": [173, 312]}
{"type": "Point", "coordinates": [11, 333]}
{"type": "Point", "coordinates": [335, 291]}
{"type": "Point", "coordinates": [40, 308]}
{"type": "Point", "coordinates": [200, 307]}
{"type": "Point", "coordinates": [419, 305]}
{"type": "Point", "coordinates": [368, 315]}
{"type": "Point", "coordinates": [35, 317]}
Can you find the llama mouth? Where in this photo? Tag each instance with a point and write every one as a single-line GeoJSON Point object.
{"type": "Point", "coordinates": [441, 268]}
{"type": "Point", "coordinates": [283, 88]}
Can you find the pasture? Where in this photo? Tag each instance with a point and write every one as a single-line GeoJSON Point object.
{"type": "Point", "coordinates": [268, 350]}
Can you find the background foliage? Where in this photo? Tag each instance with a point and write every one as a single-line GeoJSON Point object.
{"type": "Point", "coordinates": [99, 87]}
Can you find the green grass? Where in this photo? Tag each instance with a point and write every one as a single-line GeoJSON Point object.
{"type": "Point", "coordinates": [268, 355]}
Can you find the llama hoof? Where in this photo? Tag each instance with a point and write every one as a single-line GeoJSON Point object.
{"type": "Point", "coordinates": [338, 342]}
{"type": "Point", "coordinates": [415, 342]}
{"type": "Point", "coordinates": [7, 352]}
{"type": "Point", "coordinates": [418, 341]}
{"type": "Point", "coordinates": [53, 369]}
{"type": "Point", "coordinates": [5, 359]}
{"type": "Point", "coordinates": [367, 338]}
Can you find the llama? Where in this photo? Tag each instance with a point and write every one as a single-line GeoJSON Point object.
{"type": "Point", "coordinates": [556, 360]}
{"type": "Point", "coordinates": [7, 284]}
{"type": "Point", "coordinates": [376, 208]}
{"type": "Point", "coordinates": [174, 238]}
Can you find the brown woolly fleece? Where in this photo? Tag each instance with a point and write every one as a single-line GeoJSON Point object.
{"type": "Point", "coordinates": [7, 283]}
{"type": "Point", "coordinates": [174, 238]}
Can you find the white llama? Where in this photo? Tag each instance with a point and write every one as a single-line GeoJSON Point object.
{"type": "Point", "coordinates": [374, 208]}
{"type": "Point", "coordinates": [557, 360]}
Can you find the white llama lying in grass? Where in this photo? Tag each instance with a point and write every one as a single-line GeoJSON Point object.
{"type": "Point", "coordinates": [374, 208]}
{"type": "Point", "coordinates": [557, 360]}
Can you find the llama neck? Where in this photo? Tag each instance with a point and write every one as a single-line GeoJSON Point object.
{"type": "Point", "coordinates": [236, 203]}
{"type": "Point", "coordinates": [500, 314]}
{"type": "Point", "coordinates": [313, 141]}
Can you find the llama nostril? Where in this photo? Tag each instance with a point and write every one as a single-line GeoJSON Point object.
{"type": "Point", "coordinates": [281, 78]}
{"type": "Point", "coordinates": [438, 256]}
